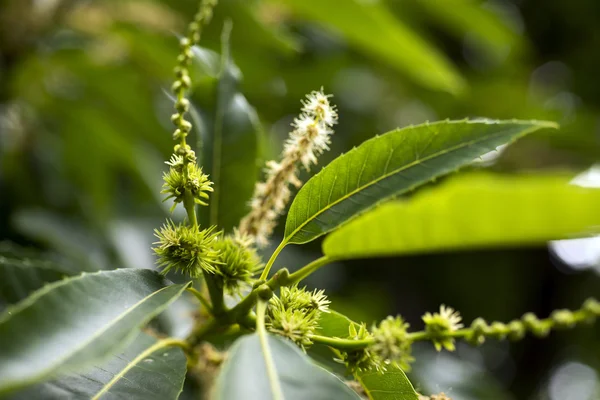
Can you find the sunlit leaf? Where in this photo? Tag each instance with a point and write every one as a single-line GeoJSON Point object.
{"type": "Point", "coordinates": [478, 211]}
{"type": "Point", "coordinates": [77, 322]}
{"type": "Point", "coordinates": [392, 164]}
{"type": "Point", "coordinates": [371, 28]}
{"type": "Point", "coordinates": [467, 17]}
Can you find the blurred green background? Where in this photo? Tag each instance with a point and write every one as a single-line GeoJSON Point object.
{"type": "Point", "coordinates": [84, 132]}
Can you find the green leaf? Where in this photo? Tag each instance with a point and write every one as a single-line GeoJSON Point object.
{"type": "Point", "coordinates": [147, 369]}
{"type": "Point", "coordinates": [231, 146]}
{"type": "Point", "coordinates": [494, 35]}
{"type": "Point", "coordinates": [478, 211]}
{"type": "Point", "coordinates": [18, 278]}
{"type": "Point", "coordinates": [371, 28]}
{"type": "Point", "coordinates": [391, 385]}
{"type": "Point", "coordinates": [244, 376]}
{"type": "Point", "coordinates": [77, 322]}
{"type": "Point", "coordinates": [392, 164]}
{"type": "Point", "coordinates": [67, 236]}
{"type": "Point", "coordinates": [335, 324]}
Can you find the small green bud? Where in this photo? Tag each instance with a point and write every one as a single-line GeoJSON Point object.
{"type": "Point", "coordinates": [175, 118]}
{"type": "Point", "coordinates": [184, 43]}
{"type": "Point", "coordinates": [176, 86]}
{"type": "Point", "coordinates": [182, 150]}
{"type": "Point", "coordinates": [182, 105]}
{"type": "Point", "coordinates": [479, 328]}
{"type": "Point", "coordinates": [180, 71]}
{"type": "Point", "coordinates": [186, 81]}
{"type": "Point", "coordinates": [265, 292]}
{"type": "Point", "coordinates": [498, 330]}
{"type": "Point", "coordinates": [177, 136]}
{"type": "Point", "coordinates": [563, 319]}
{"type": "Point", "coordinates": [282, 276]}
{"type": "Point", "coordinates": [534, 325]}
{"type": "Point", "coordinates": [592, 307]}
{"type": "Point", "coordinates": [185, 126]}
{"type": "Point", "coordinates": [194, 26]}
{"type": "Point", "coordinates": [516, 330]}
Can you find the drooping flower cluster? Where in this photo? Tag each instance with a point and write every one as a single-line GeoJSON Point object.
{"type": "Point", "coordinates": [295, 313]}
{"type": "Point", "coordinates": [309, 139]}
{"type": "Point", "coordinates": [439, 325]}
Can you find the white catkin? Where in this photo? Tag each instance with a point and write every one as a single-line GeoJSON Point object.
{"type": "Point", "coordinates": [309, 139]}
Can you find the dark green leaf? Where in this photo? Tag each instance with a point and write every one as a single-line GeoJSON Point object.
{"type": "Point", "coordinates": [77, 322]}
{"type": "Point", "coordinates": [148, 369]}
{"type": "Point", "coordinates": [494, 35]}
{"type": "Point", "coordinates": [67, 236]}
{"type": "Point", "coordinates": [18, 278]}
{"type": "Point", "coordinates": [477, 211]}
{"type": "Point", "coordinates": [391, 385]}
{"type": "Point", "coordinates": [371, 28]}
{"type": "Point", "coordinates": [392, 164]}
{"type": "Point", "coordinates": [244, 375]}
{"type": "Point", "coordinates": [231, 147]}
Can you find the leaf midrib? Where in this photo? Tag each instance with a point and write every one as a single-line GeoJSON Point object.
{"type": "Point", "coordinates": [131, 364]}
{"type": "Point", "coordinates": [417, 162]}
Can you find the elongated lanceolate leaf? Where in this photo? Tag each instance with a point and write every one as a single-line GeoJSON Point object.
{"type": "Point", "coordinates": [231, 145]}
{"type": "Point", "coordinates": [77, 323]}
{"type": "Point", "coordinates": [18, 278]}
{"type": "Point", "coordinates": [244, 374]}
{"type": "Point", "coordinates": [390, 385]}
{"type": "Point", "coordinates": [392, 164]}
{"type": "Point", "coordinates": [148, 369]}
{"type": "Point", "coordinates": [371, 28]}
{"type": "Point", "coordinates": [477, 211]}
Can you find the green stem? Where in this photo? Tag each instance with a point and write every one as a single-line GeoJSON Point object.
{"type": "Point", "coordinates": [200, 332]}
{"type": "Point", "coordinates": [341, 344]}
{"type": "Point", "coordinates": [190, 208]}
{"type": "Point", "coordinates": [205, 303]}
{"type": "Point", "coordinates": [241, 312]}
{"type": "Point", "coordinates": [264, 343]}
{"type": "Point", "coordinates": [216, 294]}
{"type": "Point", "coordinates": [267, 269]}
{"type": "Point", "coordinates": [281, 278]}
{"type": "Point", "coordinates": [309, 269]}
